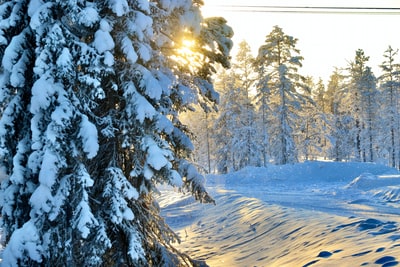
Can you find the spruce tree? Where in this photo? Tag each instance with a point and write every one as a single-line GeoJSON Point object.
{"type": "Point", "coordinates": [228, 120]}
{"type": "Point", "coordinates": [339, 118]}
{"type": "Point", "coordinates": [278, 62]}
{"type": "Point", "coordinates": [246, 145]}
{"type": "Point", "coordinates": [90, 98]}
{"type": "Point", "coordinates": [390, 91]}
{"type": "Point", "coordinates": [310, 131]}
{"type": "Point", "coordinates": [362, 92]}
{"type": "Point", "coordinates": [262, 100]}
{"type": "Point", "coordinates": [320, 97]}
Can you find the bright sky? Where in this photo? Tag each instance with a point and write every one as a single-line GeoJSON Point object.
{"type": "Point", "coordinates": [326, 39]}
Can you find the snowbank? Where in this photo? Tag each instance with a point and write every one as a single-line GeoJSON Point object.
{"type": "Point", "coordinates": [312, 171]}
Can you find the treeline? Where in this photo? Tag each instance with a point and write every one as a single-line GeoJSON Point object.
{"type": "Point", "coordinates": [271, 114]}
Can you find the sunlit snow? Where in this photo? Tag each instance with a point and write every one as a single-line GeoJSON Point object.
{"type": "Point", "coordinates": [308, 214]}
{"type": "Point", "coordinates": [102, 39]}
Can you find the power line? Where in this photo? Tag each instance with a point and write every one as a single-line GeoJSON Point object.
{"type": "Point", "coordinates": [310, 9]}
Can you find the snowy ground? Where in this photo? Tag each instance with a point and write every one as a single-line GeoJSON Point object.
{"type": "Point", "coordinates": [309, 214]}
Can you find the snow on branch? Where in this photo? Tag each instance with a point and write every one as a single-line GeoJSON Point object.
{"type": "Point", "coordinates": [194, 182]}
{"type": "Point", "coordinates": [24, 242]}
{"type": "Point", "coordinates": [88, 133]}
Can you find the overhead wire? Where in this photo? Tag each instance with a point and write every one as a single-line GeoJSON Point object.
{"type": "Point", "coordinates": [310, 9]}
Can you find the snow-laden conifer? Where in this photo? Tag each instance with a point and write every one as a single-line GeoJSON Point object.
{"type": "Point", "coordinates": [90, 99]}
{"type": "Point", "coordinates": [362, 93]}
{"type": "Point", "coordinates": [226, 124]}
{"type": "Point", "coordinates": [390, 95]}
{"type": "Point", "coordinates": [339, 120]}
{"type": "Point", "coordinates": [278, 62]}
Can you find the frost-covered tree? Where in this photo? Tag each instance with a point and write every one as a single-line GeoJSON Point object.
{"type": "Point", "coordinates": [90, 97]}
{"type": "Point", "coordinates": [370, 133]}
{"type": "Point", "coordinates": [340, 121]}
{"type": "Point", "coordinates": [321, 99]}
{"type": "Point", "coordinates": [362, 92]}
{"type": "Point", "coordinates": [390, 100]}
{"type": "Point", "coordinates": [247, 142]}
{"type": "Point", "coordinates": [225, 126]}
{"type": "Point", "coordinates": [280, 61]}
{"type": "Point", "coordinates": [201, 126]}
{"type": "Point", "coordinates": [262, 100]}
{"type": "Point", "coordinates": [235, 130]}
{"type": "Point", "coordinates": [311, 130]}
{"type": "Point", "coordinates": [48, 142]}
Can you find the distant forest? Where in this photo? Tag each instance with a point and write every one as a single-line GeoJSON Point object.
{"type": "Point", "coordinates": [271, 114]}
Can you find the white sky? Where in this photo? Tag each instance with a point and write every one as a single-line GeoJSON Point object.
{"type": "Point", "coordinates": [326, 40]}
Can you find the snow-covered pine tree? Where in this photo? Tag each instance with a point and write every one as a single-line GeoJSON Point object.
{"type": "Point", "coordinates": [228, 119]}
{"type": "Point", "coordinates": [370, 100]}
{"type": "Point", "coordinates": [90, 95]}
{"type": "Point", "coordinates": [279, 61]}
{"type": "Point", "coordinates": [248, 146]}
{"type": "Point", "coordinates": [310, 130]}
{"type": "Point", "coordinates": [47, 140]}
{"type": "Point", "coordinates": [235, 127]}
{"type": "Point", "coordinates": [390, 97]}
{"type": "Point", "coordinates": [201, 125]}
{"type": "Point", "coordinates": [339, 118]}
{"type": "Point", "coordinates": [262, 100]}
{"type": "Point", "coordinates": [319, 95]}
{"type": "Point", "coordinates": [362, 94]}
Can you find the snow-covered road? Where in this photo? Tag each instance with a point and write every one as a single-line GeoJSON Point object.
{"type": "Point", "coordinates": [310, 214]}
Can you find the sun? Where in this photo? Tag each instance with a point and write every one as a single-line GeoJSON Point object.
{"type": "Point", "coordinates": [187, 53]}
{"type": "Point", "coordinates": [187, 47]}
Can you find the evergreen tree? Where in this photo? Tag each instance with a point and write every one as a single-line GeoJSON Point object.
{"type": "Point", "coordinates": [390, 90]}
{"type": "Point", "coordinates": [321, 99]}
{"type": "Point", "coordinates": [90, 96]}
{"type": "Point", "coordinates": [319, 96]}
{"type": "Point", "coordinates": [311, 130]}
{"type": "Point", "coordinates": [363, 92]}
{"type": "Point", "coordinates": [262, 100]}
{"type": "Point", "coordinates": [279, 61]}
{"type": "Point", "coordinates": [201, 126]}
{"type": "Point", "coordinates": [370, 133]}
{"type": "Point", "coordinates": [236, 127]}
{"type": "Point", "coordinates": [247, 144]}
{"type": "Point", "coordinates": [340, 121]}
{"type": "Point", "coordinates": [228, 119]}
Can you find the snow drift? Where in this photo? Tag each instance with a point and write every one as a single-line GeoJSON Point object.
{"type": "Point", "coordinates": [309, 214]}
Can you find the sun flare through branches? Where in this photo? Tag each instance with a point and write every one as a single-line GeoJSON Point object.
{"type": "Point", "coordinates": [187, 55]}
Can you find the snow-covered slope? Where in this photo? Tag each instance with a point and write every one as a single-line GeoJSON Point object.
{"type": "Point", "coordinates": [309, 214]}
